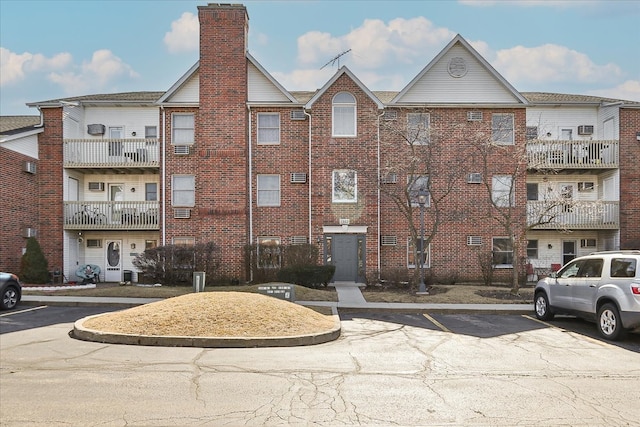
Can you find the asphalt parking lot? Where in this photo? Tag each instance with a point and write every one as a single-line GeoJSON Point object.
{"type": "Point", "coordinates": [386, 368]}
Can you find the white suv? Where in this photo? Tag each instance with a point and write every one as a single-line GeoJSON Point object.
{"type": "Point", "coordinates": [603, 286]}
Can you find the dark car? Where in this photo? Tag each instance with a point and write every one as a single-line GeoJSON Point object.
{"type": "Point", "coordinates": [11, 290]}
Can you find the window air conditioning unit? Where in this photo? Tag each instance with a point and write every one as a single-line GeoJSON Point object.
{"type": "Point", "coordinates": [474, 240]}
{"type": "Point", "coordinates": [531, 133]}
{"type": "Point", "coordinates": [298, 115]}
{"type": "Point", "coordinates": [182, 213]}
{"type": "Point", "coordinates": [474, 116]}
{"type": "Point", "coordinates": [298, 178]}
{"type": "Point", "coordinates": [390, 115]}
{"type": "Point", "coordinates": [96, 186]}
{"type": "Point", "coordinates": [474, 178]}
{"type": "Point", "coordinates": [585, 130]}
{"type": "Point", "coordinates": [29, 167]}
{"type": "Point", "coordinates": [29, 232]}
{"type": "Point", "coordinates": [298, 240]}
{"type": "Point", "coordinates": [391, 178]}
{"type": "Point", "coordinates": [94, 243]}
{"type": "Point", "coordinates": [587, 243]}
{"type": "Point", "coordinates": [388, 240]}
{"type": "Point", "coordinates": [181, 150]}
{"type": "Point", "coordinates": [96, 129]}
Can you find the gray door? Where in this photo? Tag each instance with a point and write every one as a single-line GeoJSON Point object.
{"type": "Point", "coordinates": [346, 252]}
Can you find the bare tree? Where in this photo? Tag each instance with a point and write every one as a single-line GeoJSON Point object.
{"type": "Point", "coordinates": [414, 150]}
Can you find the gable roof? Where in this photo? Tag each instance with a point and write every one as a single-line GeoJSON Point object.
{"type": "Point", "coordinates": [459, 40]}
{"type": "Point", "coordinates": [177, 85]}
{"type": "Point", "coordinates": [271, 80]}
{"type": "Point", "coordinates": [339, 73]}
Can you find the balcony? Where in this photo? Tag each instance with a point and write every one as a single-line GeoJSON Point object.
{"type": "Point", "coordinates": [111, 216]}
{"type": "Point", "coordinates": [129, 156]}
{"type": "Point", "coordinates": [597, 215]}
{"type": "Point", "coordinates": [572, 154]}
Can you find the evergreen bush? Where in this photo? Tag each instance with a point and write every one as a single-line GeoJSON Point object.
{"type": "Point", "coordinates": [34, 268]}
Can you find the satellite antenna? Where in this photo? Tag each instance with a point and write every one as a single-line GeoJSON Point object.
{"type": "Point", "coordinates": [336, 59]}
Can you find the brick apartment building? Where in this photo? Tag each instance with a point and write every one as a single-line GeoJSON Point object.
{"type": "Point", "coordinates": [228, 155]}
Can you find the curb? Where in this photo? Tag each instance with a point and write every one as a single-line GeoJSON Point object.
{"type": "Point", "coordinates": [85, 334]}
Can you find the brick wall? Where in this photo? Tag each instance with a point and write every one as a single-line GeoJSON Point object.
{"type": "Point", "coordinates": [629, 179]}
{"type": "Point", "coordinates": [19, 207]}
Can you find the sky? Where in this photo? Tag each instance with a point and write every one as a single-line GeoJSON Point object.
{"type": "Point", "coordinates": [54, 49]}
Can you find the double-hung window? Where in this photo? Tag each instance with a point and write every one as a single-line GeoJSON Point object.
{"type": "Point", "coordinates": [268, 252]}
{"type": "Point", "coordinates": [413, 256]}
{"type": "Point", "coordinates": [418, 184]}
{"type": "Point", "coordinates": [184, 190]}
{"type": "Point", "coordinates": [345, 186]}
{"type": "Point", "coordinates": [268, 128]}
{"type": "Point", "coordinates": [183, 129]}
{"type": "Point", "coordinates": [502, 252]}
{"type": "Point", "coordinates": [418, 128]}
{"type": "Point", "coordinates": [268, 190]}
{"type": "Point", "coordinates": [344, 114]}
{"type": "Point", "coordinates": [502, 191]}
{"type": "Point", "coordinates": [502, 128]}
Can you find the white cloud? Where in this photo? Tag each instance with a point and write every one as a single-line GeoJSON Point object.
{"type": "Point", "coordinates": [551, 63]}
{"type": "Point", "coordinates": [184, 35]}
{"type": "Point", "coordinates": [103, 69]}
{"type": "Point", "coordinates": [16, 67]}
{"type": "Point", "coordinates": [629, 90]}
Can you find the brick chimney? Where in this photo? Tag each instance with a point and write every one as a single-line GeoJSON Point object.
{"type": "Point", "coordinates": [221, 132]}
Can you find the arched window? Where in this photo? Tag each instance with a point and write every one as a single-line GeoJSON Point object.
{"type": "Point", "coordinates": [344, 114]}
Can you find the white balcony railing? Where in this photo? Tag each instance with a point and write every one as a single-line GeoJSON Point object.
{"type": "Point", "coordinates": [572, 154]}
{"type": "Point", "coordinates": [581, 215]}
{"type": "Point", "coordinates": [111, 215]}
{"type": "Point", "coordinates": [96, 153]}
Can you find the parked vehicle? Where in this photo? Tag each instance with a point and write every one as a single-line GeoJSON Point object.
{"type": "Point", "coordinates": [11, 290]}
{"type": "Point", "coordinates": [603, 286]}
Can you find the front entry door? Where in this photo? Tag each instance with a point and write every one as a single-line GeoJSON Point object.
{"type": "Point", "coordinates": [346, 252]}
{"type": "Point", "coordinates": [113, 261]}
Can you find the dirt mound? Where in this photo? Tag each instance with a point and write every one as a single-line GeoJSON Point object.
{"type": "Point", "coordinates": [215, 314]}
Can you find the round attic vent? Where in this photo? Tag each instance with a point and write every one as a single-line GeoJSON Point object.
{"type": "Point", "coordinates": [457, 67]}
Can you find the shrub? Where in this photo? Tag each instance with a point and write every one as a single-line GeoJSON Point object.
{"type": "Point", "coordinates": [175, 264]}
{"type": "Point", "coordinates": [34, 267]}
{"type": "Point", "coordinates": [310, 276]}
{"type": "Point", "coordinates": [264, 262]}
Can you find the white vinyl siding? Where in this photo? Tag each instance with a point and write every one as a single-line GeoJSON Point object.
{"type": "Point", "coordinates": [261, 89]}
{"type": "Point", "coordinates": [268, 190]}
{"type": "Point", "coordinates": [344, 115]}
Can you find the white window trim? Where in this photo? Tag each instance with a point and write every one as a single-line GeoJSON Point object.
{"type": "Point", "coordinates": [258, 128]}
{"type": "Point", "coordinates": [335, 199]}
{"type": "Point", "coordinates": [424, 127]}
{"type": "Point", "coordinates": [173, 190]}
{"type": "Point", "coordinates": [427, 258]}
{"type": "Point", "coordinates": [259, 241]}
{"type": "Point", "coordinates": [173, 128]}
{"type": "Point", "coordinates": [499, 198]}
{"type": "Point", "coordinates": [493, 129]}
{"type": "Point", "coordinates": [333, 116]}
{"type": "Point", "coordinates": [259, 190]}
{"type": "Point", "coordinates": [414, 200]}
{"type": "Point", "coordinates": [493, 251]}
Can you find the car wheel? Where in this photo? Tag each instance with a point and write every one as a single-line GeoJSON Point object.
{"type": "Point", "coordinates": [541, 305]}
{"type": "Point", "coordinates": [609, 324]}
{"type": "Point", "coordinates": [9, 298]}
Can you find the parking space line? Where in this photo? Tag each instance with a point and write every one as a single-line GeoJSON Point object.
{"type": "Point", "coordinates": [435, 322]}
{"type": "Point", "coordinates": [572, 333]}
{"type": "Point", "coordinates": [23, 311]}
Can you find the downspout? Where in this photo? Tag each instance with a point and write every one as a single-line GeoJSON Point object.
{"type": "Point", "coordinates": [250, 185]}
{"type": "Point", "coordinates": [163, 180]}
{"type": "Point", "coordinates": [378, 192]}
{"type": "Point", "coordinates": [309, 179]}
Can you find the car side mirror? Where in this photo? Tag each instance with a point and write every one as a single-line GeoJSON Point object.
{"type": "Point", "coordinates": [554, 275]}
